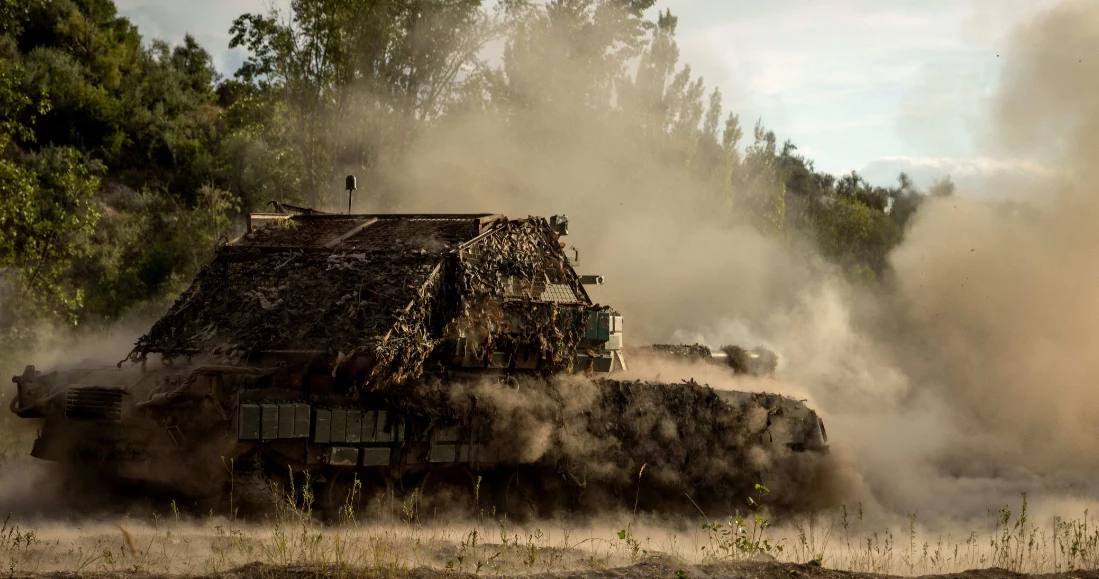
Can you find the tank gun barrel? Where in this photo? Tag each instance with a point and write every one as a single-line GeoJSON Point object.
{"type": "Point", "coordinates": [757, 361]}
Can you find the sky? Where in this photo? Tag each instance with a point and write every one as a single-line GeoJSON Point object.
{"type": "Point", "coordinates": [877, 86]}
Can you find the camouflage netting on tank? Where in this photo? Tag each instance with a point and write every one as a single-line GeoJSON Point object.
{"type": "Point", "coordinates": [250, 301]}
{"type": "Point", "coordinates": [690, 438]}
{"type": "Point", "coordinates": [379, 295]}
{"type": "Point", "coordinates": [514, 283]}
{"type": "Point", "coordinates": [688, 352]}
{"type": "Point", "coordinates": [401, 355]}
{"type": "Point", "coordinates": [685, 432]}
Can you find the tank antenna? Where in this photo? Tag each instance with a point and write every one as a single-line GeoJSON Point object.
{"type": "Point", "coordinates": [349, 184]}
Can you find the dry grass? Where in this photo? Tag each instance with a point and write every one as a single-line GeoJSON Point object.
{"type": "Point", "coordinates": [393, 540]}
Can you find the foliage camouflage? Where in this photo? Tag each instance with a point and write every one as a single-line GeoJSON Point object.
{"type": "Point", "coordinates": [380, 288]}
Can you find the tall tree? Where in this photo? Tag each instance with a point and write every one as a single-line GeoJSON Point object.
{"type": "Point", "coordinates": [354, 78]}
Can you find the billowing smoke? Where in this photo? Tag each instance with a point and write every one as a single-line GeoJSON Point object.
{"type": "Point", "coordinates": [597, 438]}
{"type": "Point", "coordinates": [968, 374]}
{"type": "Point", "coordinates": [970, 377]}
{"type": "Point", "coordinates": [997, 301]}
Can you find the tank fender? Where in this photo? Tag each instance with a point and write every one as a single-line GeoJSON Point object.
{"type": "Point", "coordinates": [184, 389]}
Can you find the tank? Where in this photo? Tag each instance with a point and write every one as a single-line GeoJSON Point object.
{"type": "Point", "coordinates": [421, 360]}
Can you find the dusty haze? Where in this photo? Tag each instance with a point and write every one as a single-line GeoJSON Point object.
{"type": "Point", "coordinates": [968, 376]}
{"type": "Point", "coordinates": [1000, 300]}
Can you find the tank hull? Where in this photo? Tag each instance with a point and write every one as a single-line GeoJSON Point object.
{"type": "Point", "coordinates": [575, 442]}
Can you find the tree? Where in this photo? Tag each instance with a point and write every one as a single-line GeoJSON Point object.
{"type": "Point", "coordinates": [904, 200]}
{"type": "Point", "coordinates": [123, 162]}
{"type": "Point", "coordinates": [761, 189]}
{"type": "Point", "coordinates": [352, 80]}
{"type": "Point", "coordinates": [45, 212]}
{"type": "Point", "coordinates": [942, 187]}
{"type": "Point", "coordinates": [89, 120]}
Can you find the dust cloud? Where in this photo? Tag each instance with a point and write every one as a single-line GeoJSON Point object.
{"type": "Point", "coordinates": [30, 488]}
{"type": "Point", "coordinates": [966, 378]}
{"type": "Point", "coordinates": [970, 377]}
{"type": "Point", "coordinates": [656, 439]}
{"type": "Point", "coordinates": [996, 300]}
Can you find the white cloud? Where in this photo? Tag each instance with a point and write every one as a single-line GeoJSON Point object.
{"type": "Point", "coordinates": [977, 176]}
{"type": "Point", "coordinates": [846, 79]}
{"type": "Point", "coordinates": [207, 20]}
{"type": "Point", "coordinates": [969, 166]}
{"type": "Point", "coordinates": [851, 78]}
{"type": "Point", "coordinates": [896, 20]}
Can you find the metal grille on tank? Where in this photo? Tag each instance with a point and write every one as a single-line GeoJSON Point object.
{"type": "Point", "coordinates": [94, 403]}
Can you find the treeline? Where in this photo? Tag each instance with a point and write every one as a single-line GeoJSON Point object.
{"type": "Point", "coordinates": [122, 163]}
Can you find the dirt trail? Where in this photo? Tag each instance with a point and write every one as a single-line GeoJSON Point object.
{"type": "Point", "coordinates": [740, 570]}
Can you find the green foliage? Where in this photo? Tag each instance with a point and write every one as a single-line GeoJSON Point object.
{"type": "Point", "coordinates": [147, 247]}
{"type": "Point", "coordinates": [856, 236]}
{"type": "Point", "coordinates": [46, 214]}
{"type": "Point", "coordinates": [117, 171]}
{"type": "Point", "coordinates": [123, 162]}
{"type": "Point", "coordinates": [631, 543]}
{"type": "Point", "coordinates": [18, 108]}
{"type": "Point", "coordinates": [342, 87]}
{"type": "Point", "coordinates": [744, 535]}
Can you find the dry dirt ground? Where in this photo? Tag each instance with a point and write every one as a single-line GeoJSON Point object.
{"type": "Point", "coordinates": [742, 570]}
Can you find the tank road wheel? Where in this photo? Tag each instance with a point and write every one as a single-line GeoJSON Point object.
{"type": "Point", "coordinates": [518, 498]}
{"type": "Point", "coordinates": [379, 491]}
{"type": "Point", "coordinates": [341, 495]}
{"type": "Point", "coordinates": [253, 493]}
{"type": "Point", "coordinates": [349, 494]}
{"type": "Point", "coordinates": [451, 491]}
{"type": "Point", "coordinates": [262, 490]}
{"type": "Point", "coordinates": [531, 492]}
{"type": "Point", "coordinates": [601, 495]}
